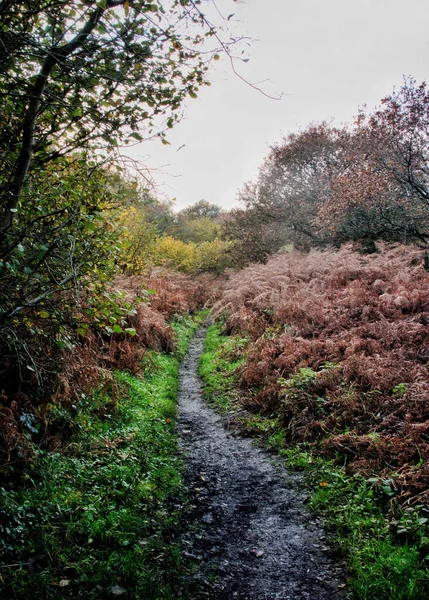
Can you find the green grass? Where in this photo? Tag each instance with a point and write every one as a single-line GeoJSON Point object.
{"type": "Point", "coordinates": [103, 514]}
{"type": "Point", "coordinates": [219, 362]}
{"type": "Point", "coordinates": [185, 328]}
{"type": "Point", "coordinates": [384, 557]}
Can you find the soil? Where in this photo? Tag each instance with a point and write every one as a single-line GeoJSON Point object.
{"type": "Point", "coordinates": [256, 540]}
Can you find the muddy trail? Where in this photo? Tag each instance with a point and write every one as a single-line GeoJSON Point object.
{"type": "Point", "coordinates": [256, 540]}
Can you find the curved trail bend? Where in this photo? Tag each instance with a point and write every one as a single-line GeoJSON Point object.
{"type": "Point", "coordinates": [257, 541]}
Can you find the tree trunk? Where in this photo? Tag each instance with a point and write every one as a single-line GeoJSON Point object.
{"type": "Point", "coordinates": [12, 195]}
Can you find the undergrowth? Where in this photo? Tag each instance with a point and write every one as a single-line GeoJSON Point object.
{"type": "Point", "coordinates": [218, 364]}
{"type": "Point", "coordinates": [99, 519]}
{"type": "Point", "coordinates": [367, 318]}
{"type": "Point", "coordinates": [384, 546]}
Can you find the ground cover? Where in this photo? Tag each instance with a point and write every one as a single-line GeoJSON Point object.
{"type": "Point", "coordinates": [339, 352]}
{"type": "Point", "coordinates": [255, 539]}
{"type": "Point", "coordinates": [99, 518]}
{"type": "Point", "coordinates": [279, 326]}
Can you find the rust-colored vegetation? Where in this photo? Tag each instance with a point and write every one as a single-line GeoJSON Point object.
{"type": "Point", "coordinates": [339, 350]}
{"type": "Point", "coordinates": [42, 384]}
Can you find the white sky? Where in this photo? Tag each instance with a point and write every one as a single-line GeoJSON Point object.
{"type": "Point", "coordinates": [327, 58]}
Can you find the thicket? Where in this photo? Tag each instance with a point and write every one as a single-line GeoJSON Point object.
{"type": "Point", "coordinates": [190, 241]}
{"type": "Point", "coordinates": [114, 328]}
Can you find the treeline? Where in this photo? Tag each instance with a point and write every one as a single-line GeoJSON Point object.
{"type": "Point", "coordinates": [326, 185]}
{"type": "Point", "coordinates": [319, 187]}
{"type": "Point", "coordinates": [191, 240]}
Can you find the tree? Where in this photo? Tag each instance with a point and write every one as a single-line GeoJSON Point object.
{"type": "Point", "coordinates": [325, 185]}
{"type": "Point", "coordinates": [78, 78]}
{"type": "Point", "coordinates": [398, 133]}
{"type": "Point", "coordinates": [94, 74]}
{"type": "Point", "coordinates": [253, 234]}
{"type": "Point", "coordinates": [367, 203]}
{"type": "Point", "coordinates": [72, 247]}
{"type": "Point", "coordinates": [201, 210]}
{"type": "Point", "coordinates": [383, 190]}
{"type": "Point", "coordinates": [70, 230]}
{"type": "Point", "coordinates": [295, 178]}
{"type": "Point", "coordinates": [281, 206]}
{"type": "Point", "coordinates": [197, 223]}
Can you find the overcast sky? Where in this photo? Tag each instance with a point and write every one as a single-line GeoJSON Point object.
{"type": "Point", "coordinates": [327, 58]}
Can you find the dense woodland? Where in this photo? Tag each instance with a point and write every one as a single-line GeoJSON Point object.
{"type": "Point", "coordinates": [322, 272]}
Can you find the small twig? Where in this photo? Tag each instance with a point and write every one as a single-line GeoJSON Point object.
{"type": "Point", "coordinates": [22, 564]}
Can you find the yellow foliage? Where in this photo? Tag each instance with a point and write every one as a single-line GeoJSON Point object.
{"type": "Point", "coordinates": [213, 256]}
{"type": "Point", "coordinates": [142, 246]}
{"type": "Point", "coordinates": [172, 252]}
{"type": "Point", "coordinates": [138, 239]}
{"type": "Point", "coordinates": [207, 256]}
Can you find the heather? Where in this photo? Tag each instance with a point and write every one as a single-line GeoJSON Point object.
{"type": "Point", "coordinates": [338, 350]}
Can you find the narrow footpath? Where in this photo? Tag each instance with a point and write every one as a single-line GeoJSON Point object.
{"type": "Point", "coordinates": [257, 541]}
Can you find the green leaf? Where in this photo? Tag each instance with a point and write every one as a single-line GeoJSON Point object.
{"type": "Point", "coordinates": [387, 490]}
{"type": "Point", "coordinates": [136, 136]}
{"type": "Point", "coordinates": [89, 226]}
{"type": "Point", "coordinates": [117, 329]}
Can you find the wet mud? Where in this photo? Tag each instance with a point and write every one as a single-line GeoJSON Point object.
{"type": "Point", "coordinates": [255, 540]}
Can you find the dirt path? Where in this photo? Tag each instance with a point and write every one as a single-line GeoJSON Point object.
{"type": "Point", "coordinates": [257, 540]}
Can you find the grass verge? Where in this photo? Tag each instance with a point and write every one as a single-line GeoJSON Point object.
{"type": "Point", "coordinates": [100, 518]}
{"type": "Point", "coordinates": [385, 548]}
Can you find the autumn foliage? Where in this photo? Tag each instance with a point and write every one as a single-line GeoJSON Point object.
{"type": "Point", "coordinates": [339, 350]}
{"type": "Point", "coordinates": [113, 329]}
{"type": "Point", "coordinates": [321, 186]}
